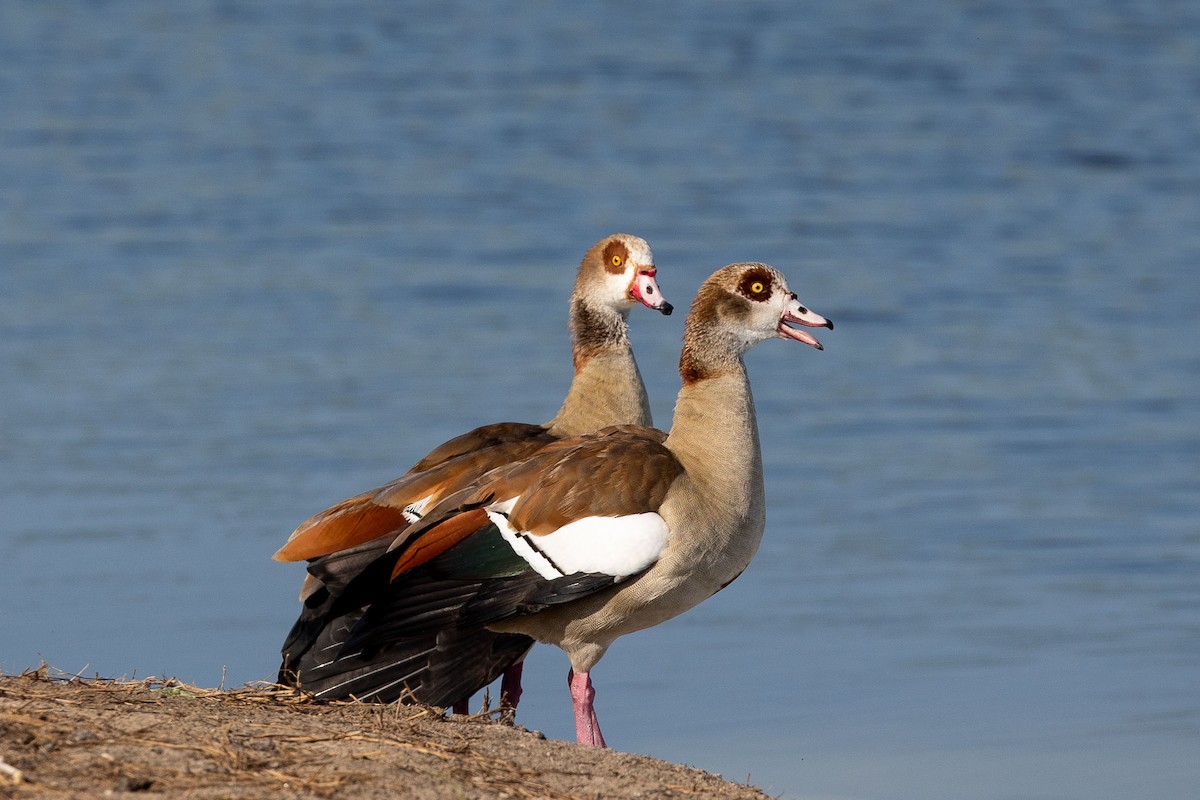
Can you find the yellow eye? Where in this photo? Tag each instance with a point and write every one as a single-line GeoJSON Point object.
{"type": "Point", "coordinates": [616, 261]}
{"type": "Point", "coordinates": [757, 287]}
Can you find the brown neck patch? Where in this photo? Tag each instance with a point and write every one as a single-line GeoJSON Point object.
{"type": "Point", "coordinates": [708, 350]}
{"type": "Point", "coordinates": [592, 332]}
{"type": "Point", "coordinates": [690, 368]}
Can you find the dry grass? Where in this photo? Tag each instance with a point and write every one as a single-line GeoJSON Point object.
{"type": "Point", "coordinates": [61, 736]}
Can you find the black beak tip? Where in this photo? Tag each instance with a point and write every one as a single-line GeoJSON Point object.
{"type": "Point", "coordinates": [829, 324]}
{"type": "Point", "coordinates": [666, 308]}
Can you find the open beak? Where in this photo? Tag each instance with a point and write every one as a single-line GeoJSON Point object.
{"type": "Point", "coordinates": [645, 290]}
{"type": "Point", "coordinates": [796, 314]}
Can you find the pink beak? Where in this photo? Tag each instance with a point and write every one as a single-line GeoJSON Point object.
{"type": "Point", "coordinates": [796, 314]}
{"type": "Point", "coordinates": [645, 290]}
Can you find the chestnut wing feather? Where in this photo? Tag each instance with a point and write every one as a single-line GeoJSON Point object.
{"type": "Point", "coordinates": [447, 469]}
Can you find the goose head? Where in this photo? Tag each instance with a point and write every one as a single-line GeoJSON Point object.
{"type": "Point", "coordinates": [736, 308]}
{"type": "Point", "coordinates": [618, 273]}
{"type": "Point", "coordinates": [752, 302]}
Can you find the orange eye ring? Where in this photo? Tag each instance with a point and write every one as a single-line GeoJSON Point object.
{"type": "Point", "coordinates": [616, 261]}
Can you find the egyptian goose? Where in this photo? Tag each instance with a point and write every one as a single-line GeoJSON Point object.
{"type": "Point", "coordinates": [592, 537]}
{"type": "Point", "coordinates": [615, 274]}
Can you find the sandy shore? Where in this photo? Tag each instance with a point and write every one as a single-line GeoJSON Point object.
{"type": "Point", "coordinates": [107, 738]}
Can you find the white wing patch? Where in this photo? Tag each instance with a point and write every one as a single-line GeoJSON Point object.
{"type": "Point", "coordinates": [617, 546]}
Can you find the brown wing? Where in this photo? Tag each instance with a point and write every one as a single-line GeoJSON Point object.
{"type": "Point", "coordinates": [614, 472]}
{"type": "Point", "coordinates": [447, 469]}
{"type": "Point", "coordinates": [619, 471]}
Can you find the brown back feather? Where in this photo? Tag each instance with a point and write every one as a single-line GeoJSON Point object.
{"type": "Point", "coordinates": [620, 470]}
{"type": "Point", "coordinates": [486, 436]}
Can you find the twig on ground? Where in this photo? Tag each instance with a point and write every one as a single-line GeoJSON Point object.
{"type": "Point", "coordinates": [11, 772]}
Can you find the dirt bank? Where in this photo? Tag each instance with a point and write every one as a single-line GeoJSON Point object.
{"type": "Point", "coordinates": [141, 739]}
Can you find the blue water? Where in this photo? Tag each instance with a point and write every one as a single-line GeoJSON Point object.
{"type": "Point", "coordinates": [255, 258]}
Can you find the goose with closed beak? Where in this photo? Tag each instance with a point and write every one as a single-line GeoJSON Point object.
{"type": "Point", "coordinates": [616, 274]}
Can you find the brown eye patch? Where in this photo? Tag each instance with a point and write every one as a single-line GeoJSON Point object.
{"type": "Point", "coordinates": [615, 256]}
{"type": "Point", "coordinates": [756, 284]}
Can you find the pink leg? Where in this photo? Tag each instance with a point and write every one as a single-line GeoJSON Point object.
{"type": "Point", "coordinates": [587, 727]}
{"type": "Point", "coordinates": [510, 686]}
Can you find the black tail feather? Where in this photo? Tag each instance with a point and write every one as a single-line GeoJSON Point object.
{"type": "Point", "coordinates": [437, 670]}
{"type": "Point", "coordinates": [424, 635]}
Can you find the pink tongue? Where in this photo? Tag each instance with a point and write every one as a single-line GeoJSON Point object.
{"type": "Point", "coordinates": [799, 335]}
